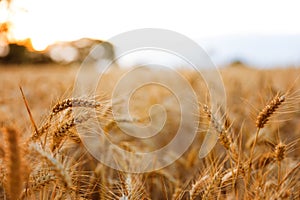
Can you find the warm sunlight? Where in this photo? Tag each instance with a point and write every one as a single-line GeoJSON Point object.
{"type": "Point", "coordinates": [47, 21]}
{"type": "Point", "coordinates": [160, 99]}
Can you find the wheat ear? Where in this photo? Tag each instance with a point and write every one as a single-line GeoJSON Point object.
{"type": "Point", "coordinates": [224, 138]}
{"type": "Point", "coordinates": [40, 132]}
{"type": "Point", "coordinates": [59, 169]}
{"type": "Point", "coordinates": [280, 151]}
{"type": "Point", "coordinates": [61, 131]}
{"type": "Point", "coordinates": [13, 156]}
{"type": "Point", "coordinates": [74, 102]}
{"type": "Point", "coordinates": [268, 110]}
{"type": "Point", "coordinates": [262, 119]}
{"type": "Point", "coordinates": [39, 182]}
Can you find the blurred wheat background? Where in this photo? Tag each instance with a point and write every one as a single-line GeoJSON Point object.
{"type": "Point", "coordinates": [52, 163]}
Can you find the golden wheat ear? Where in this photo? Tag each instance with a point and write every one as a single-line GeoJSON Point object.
{"type": "Point", "coordinates": [14, 166]}
{"type": "Point", "coordinates": [74, 102]}
{"type": "Point", "coordinates": [38, 182]}
{"type": "Point", "coordinates": [262, 118]}
{"type": "Point", "coordinates": [268, 110]}
{"type": "Point", "coordinates": [280, 151]}
{"type": "Point", "coordinates": [61, 131]}
{"type": "Point", "coordinates": [58, 168]}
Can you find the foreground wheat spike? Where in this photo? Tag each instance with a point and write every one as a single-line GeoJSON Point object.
{"type": "Point", "coordinates": [40, 132]}
{"type": "Point", "coordinates": [58, 168]}
{"type": "Point", "coordinates": [268, 110]}
{"type": "Point", "coordinates": [61, 131]}
{"type": "Point", "coordinates": [74, 102]}
{"type": "Point", "coordinates": [14, 183]}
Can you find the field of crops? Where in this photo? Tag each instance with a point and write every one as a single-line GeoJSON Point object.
{"type": "Point", "coordinates": [43, 155]}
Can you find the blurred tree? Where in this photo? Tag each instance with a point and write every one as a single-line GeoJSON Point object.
{"type": "Point", "coordinates": [4, 27]}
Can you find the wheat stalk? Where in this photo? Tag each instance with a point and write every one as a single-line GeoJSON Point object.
{"type": "Point", "coordinates": [290, 173]}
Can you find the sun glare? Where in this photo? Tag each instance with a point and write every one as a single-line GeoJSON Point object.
{"type": "Point", "coordinates": [45, 22]}
{"type": "Point", "coordinates": [39, 44]}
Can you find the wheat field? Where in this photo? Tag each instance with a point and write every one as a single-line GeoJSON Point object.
{"type": "Point", "coordinates": [42, 155]}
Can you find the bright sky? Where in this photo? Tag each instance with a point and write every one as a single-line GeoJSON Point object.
{"type": "Point", "coordinates": [47, 21]}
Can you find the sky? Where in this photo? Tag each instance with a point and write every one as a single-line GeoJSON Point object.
{"type": "Point", "coordinates": [48, 21]}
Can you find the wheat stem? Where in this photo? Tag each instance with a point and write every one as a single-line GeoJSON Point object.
{"type": "Point", "coordinates": [251, 153]}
